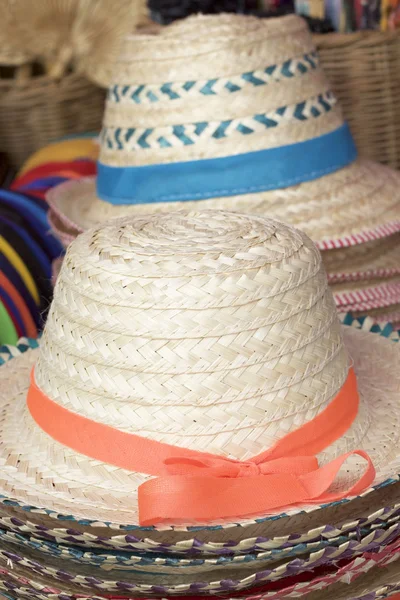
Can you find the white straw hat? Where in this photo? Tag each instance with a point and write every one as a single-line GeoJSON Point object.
{"type": "Point", "coordinates": [211, 332]}
{"type": "Point", "coordinates": [231, 112]}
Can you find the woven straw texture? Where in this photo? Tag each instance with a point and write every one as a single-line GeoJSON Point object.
{"type": "Point", "coordinates": [230, 311]}
{"type": "Point", "coordinates": [98, 32]}
{"type": "Point", "coordinates": [149, 562]}
{"type": "Point", "coordinates": [180, 581]}
{"type": "Point", "coordinates": [376, 259]}
{"type": "Point", "coordinates": [35, 111]}
{"type": "Point", "coordinates": [168, 103]}
{"type": "Point", "coordinates": [80, 579]}
{"type": "Point", "coordinates": [364, 70]}
{"type": "Point", "coordinates": [61, 33]}
{"type": "Point", "coordinates": [375, 574]}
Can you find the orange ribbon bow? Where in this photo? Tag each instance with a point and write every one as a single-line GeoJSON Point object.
{"type": "Point", "coordinates": [193, 486]}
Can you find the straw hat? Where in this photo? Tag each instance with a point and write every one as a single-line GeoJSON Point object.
{"type": "Point", "coordinates": [97, 34]}
{"type": "Point", "coordinates": [375, 572]}
{"type": "Point", "coordinates": [378, 259]}
{"type": "Point", "coordinates": [120, 560]}
{"type": "Point", "coordinates": [212, 332]}
{"type": "Point", "coordinates": [231, 112]}
{"type": "Point", "coordinates": [84, 578]}
{"type": "Point", "coordinates": [64, 32]}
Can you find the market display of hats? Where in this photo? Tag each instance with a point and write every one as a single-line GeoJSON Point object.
{"type": "Point", "coordinates": [195, 420]}
{"type": "Point", "coordinates": [28, 250]}
{"type": "Point", "coordinates": [231, 111]}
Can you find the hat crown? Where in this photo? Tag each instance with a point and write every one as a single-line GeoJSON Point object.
{"type": "Point", "coordinates": [211, 330]}
{"type": "Point", "coordinates": [215, 86]}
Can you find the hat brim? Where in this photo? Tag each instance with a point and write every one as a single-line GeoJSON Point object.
{"type": "Point", "coordinates": [378, 260]}
{"type": "Point", "coordinates": [353, 205]}
{"type": "Point", "coordinates": [37, 471]}
{"type": "Point", "coordinates": [153, 562]}
{"type": "Point", "coordinates": [377, 575]}
{"type": "Point", "coordinates": [117, 568]}
{"type": "Point", "coordinates": [367, 295]}
{"type": "Point", "coordinates": [180, 581]}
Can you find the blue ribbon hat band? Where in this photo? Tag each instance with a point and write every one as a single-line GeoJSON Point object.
{"type": "Point", "coordinates": [248, 173]}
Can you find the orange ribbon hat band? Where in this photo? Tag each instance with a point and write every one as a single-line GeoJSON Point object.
{"type": "Point", "coordinates": [194, 486]}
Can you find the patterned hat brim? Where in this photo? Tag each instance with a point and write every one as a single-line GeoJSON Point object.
{"type": "Point", "coordinates": [173, 581]}
{"type": "Point", "coordinates": [376, 574]}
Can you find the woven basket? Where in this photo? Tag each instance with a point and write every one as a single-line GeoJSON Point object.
{"type": "Point", "coordinates": [36, 109]}
{"type": "Point", "coordinates": [364, 69]}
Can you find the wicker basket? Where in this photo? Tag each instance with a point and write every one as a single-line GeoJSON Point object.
{"type": "Point", "coordinates": [36, 109]}
{"type": "Point", "coordinates": [364, 69]}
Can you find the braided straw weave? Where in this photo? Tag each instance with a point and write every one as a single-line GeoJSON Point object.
{"type": "Point", "coordinates": [347, 519]}
{"type": "Point", "coordinates": [217, 86]}
{"type": "Point", "coordinates": [36, 110]}
{"type": "Point", "coordinates": [83, 578]}
{"type": "Point", "coordinates": [364, 69]}
{"type": "Point", "coordinates": [148, 562]}
{"type": "Point", "coordinates": [374, 573]}
{"type": "Point", "coordinates": [214, 331]}
{"type": "Point", "coordinates": [376, 259]}
{"type": "Point", "coordinates": [183, 580]}
{"type": "Point", "coordinates": [61, 33]}
{"type": "Point", "coordinates": [98, 31]}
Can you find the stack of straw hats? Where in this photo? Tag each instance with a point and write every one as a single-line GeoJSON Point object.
{"type": "Point", "coordinates": [196, 422]}
{"type": "Point", "coordinates": [235, 112]}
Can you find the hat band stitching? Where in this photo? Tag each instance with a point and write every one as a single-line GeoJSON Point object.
{"type": "Point", "coordinates": [135, 138]}
{"type": "Point", "coordinates": [142, 93]}
{"type": "Point", "coordinates": [251, 172]}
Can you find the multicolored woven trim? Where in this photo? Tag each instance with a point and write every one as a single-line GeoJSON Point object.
{"type": "Point", "coordinates": [129, 540]}
{"type": "Point", "coordinates": [373, 543]}
{"type": "Point", "coordinates": [142, 94]}
{"type": "Point", "coordinates": [381, 295]}
{"type": "Point", "coordinates": [226, 176]}
{"type": "Point", "coordinates": [8, 352]}
{"type": "Point", "coordinates": [346, 573]}
{"type": "Point", "coordinates": [377, 233]}
{"type": "Point", "coordinates": [146, 561]}
{"type": "Point", "coordinates": [367, 324]}
{"type": "Point", "coordinates": [138, 138]}
{"type": "Point", "coordinates": [363, 275]}
{"type": "Point", "coordinates": [143, 560]}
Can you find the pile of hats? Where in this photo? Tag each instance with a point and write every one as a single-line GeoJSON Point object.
{"type": "Point", "coordinates": [27, 247]}
{"type": "Point", "coordinates": [235, 112]}
{"type": "Point", "coordinates": [196, 422]}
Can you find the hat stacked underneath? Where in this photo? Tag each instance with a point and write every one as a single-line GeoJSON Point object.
{"type": "Point", "coordinates": [28, 250]}
{"type": "Point", "coordinates": [234, 112]}
{"type": "Point", "coordinates": [197, 422]}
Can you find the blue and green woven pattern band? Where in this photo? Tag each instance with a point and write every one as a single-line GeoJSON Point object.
{"type": "Point", "coordinates": [138, 138]}
{"type": "Point", "coordinates": [248, 173]}
{"type": "Point", "coordinates": [140, 94]}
